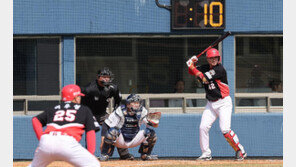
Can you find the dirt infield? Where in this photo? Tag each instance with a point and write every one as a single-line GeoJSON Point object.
{"type": "Point", "coordinates": [174, 163]}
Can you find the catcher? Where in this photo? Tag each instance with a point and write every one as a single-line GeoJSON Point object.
{"type": "Point", "coordinates": [122, 129]}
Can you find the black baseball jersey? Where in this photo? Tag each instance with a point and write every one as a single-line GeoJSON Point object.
{"type": "Point", "coordinates": [67, 117]}
{"type": "Point", "coordinates": [97, 98]}
{"type": "Point", "coordinates": [218, 85]}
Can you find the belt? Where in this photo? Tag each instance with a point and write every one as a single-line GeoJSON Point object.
{"type": "Point", "coordinates": [57, 133]}
{"type": "Point", "coordinates": [217, 99]}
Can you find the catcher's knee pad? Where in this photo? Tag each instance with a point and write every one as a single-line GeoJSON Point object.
{"type": "Point", "coordinates": [233, 140]}
{"type": "Point", "coordinates": [149, 133]}
{"type": "Point", "coordinates": [111, 135]}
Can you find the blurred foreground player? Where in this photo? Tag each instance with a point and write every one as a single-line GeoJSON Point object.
{"type": "Point", "coordinates": [219, 104]}
{"type": "Point", "coordinates": [66, 122]}
{"type": "Point", "coordinates": [122, 129]}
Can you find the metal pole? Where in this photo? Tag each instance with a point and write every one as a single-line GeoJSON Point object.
{"type": "Point", "coordinates": [110, 105]}
{"type": "Point", "coordinates": [26, 106]}
{"type": "Point", "coordinates": [268, 104]}
{"type": "Point", "coordinates": [184, 105]}
{"type": "Point", "coordinates": [147, 103]}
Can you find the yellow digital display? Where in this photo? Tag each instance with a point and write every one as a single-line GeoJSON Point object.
{"type": "Point", "coordinates": [198, 14]}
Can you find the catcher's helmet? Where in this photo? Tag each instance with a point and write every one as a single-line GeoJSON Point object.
{"type": "Point", "coordinates": [213, 53]}
{"type": "Point", "coordinates": [106, 72]}
{"type": "Point", "coordinates": [71, 91]}
{"type": "Point", "coordinates": [134, 98]}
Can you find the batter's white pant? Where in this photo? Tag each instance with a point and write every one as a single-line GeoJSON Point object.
{"type": "Point", "coordinates": [222, 109]}
{"type": "Point", "coordinates": [64, 148]}
{"type": "Point", "coordinates": [137, 140]}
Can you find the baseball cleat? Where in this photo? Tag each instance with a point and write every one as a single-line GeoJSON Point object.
{"type": "Point", "coordinates": [145, 157]}
{"type": "Point", "coordinates": [209, 158]}
{"type": "Point", "coordinates": [127, 157]}
{"type": "Point", "coordinates": [104, 157]}
{"type": "Point", "coordinates": [239, 156]}
{"type": "Point", "coordinates": [205, 157]}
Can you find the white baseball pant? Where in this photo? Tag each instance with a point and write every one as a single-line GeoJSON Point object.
{"type": "Point", "coordinates": [137, 140]}
{"type": "Point", "coordinates": [221, 108]}
{"type": "Point", "coordinates": [53, 147]}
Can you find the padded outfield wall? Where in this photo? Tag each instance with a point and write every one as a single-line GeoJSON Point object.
{"type": "Point", "coordinates": [260, 134]}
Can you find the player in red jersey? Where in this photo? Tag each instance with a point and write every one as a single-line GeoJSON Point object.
{"type": "Point", "coordinates": [214, 78]}
{"type": "Point", "coordinates": [65, 123]}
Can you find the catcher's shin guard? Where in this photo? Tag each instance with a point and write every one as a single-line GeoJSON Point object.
{"type": "Point", "coordinates": [147, 146]}
{"type": "Point", "coordinates": [107, 149]}
{"type": "Point", "coordinates": [122, 151]}
{"type": "Point", "coordinates": [233, 140]}
{"type": "Point", "coordinates": [124, 154]}
{"type": "Point", "coordinates": [110, 138]}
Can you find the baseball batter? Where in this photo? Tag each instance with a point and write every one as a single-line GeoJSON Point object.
{"type": "Point", "coordinates": [65, 123]}
{"type": "Point", "coordinates": [122, 129]}
{"type": "Point", "coordinates": [214, 77]}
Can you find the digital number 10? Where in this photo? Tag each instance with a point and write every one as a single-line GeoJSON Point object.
{"type": "Point", "coordinates": [212, 4]}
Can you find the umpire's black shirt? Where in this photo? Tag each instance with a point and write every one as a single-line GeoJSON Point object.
{"type": "Point", "coordinates": [97, 98]}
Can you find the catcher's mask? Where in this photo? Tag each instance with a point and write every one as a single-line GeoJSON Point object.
{"type": "Point", "coordinates": [105, 76]}
{"type": "Point", "coordinates": [133, 103]}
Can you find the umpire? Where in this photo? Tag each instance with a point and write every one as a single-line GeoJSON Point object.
{"type": "Point", "coordinates": [98, 94]}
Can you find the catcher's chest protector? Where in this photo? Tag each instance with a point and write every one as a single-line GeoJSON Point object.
{"type": "Point", "coordinates": [130, 127]}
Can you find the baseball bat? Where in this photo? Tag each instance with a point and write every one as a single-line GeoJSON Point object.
{"type": "Point", "coordinates": [215, 43]}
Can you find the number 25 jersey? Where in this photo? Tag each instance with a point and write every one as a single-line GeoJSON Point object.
{"type": "Point", "coordinates": [68, 118]}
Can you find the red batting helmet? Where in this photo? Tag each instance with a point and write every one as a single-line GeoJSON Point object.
{"type": "Point", "coordinates": [213, 53]}
{"type": "Point", "coordinates": [69, 92]}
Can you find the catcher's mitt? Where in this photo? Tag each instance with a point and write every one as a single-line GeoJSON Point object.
{"type": "Point", "coordinates": [153, 118]}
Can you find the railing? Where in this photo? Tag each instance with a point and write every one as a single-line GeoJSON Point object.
{"type": "Point", "coordinates": [26, 100]}
{"type": "Point", "coordinates": [266, 108]}
{"type": "Point", "coordinates": [183, 96]}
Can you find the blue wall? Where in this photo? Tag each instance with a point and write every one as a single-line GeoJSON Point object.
{"type": "Point", "coordinates": [260, 134]}
{"type": "Point", "coordinates": [89, 16]}
{"type": "Point", "coordinates": [228, 61]}
{"type": "Point", "coordinates": [254, 16]}
{"type": "Point", "coordinates": [132, 16]}
{"type": "Point", "coordinates": [68, 60]}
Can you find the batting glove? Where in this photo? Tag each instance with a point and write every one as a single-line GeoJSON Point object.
{"type": "Point", "coordinates": [193, 60]}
